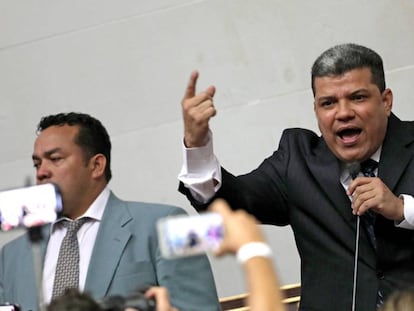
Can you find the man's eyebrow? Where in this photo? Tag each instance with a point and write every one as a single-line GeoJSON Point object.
{"type": "Point", "coordinates": [329, 97]}
{"type": "Point", "coordinates": [359, 91]}
{"type": "Point", "coordinates": [46, 153]}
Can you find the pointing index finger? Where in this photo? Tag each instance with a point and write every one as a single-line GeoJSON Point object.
{"type": "Point", "coordinates": [191, 86]}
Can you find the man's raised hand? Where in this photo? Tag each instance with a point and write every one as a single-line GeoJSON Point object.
{"type": "Point", "coordinates": [197, 111]}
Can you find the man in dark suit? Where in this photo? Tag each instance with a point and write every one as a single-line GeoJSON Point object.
{"type": "Point", "coordinates": [118, 245]}
{"type": "Point", "coordinates": [311, 183]}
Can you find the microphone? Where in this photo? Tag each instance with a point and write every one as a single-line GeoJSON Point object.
{"type": "Point", "coordinates": [354, 168]}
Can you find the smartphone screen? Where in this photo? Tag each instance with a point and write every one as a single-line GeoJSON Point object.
{"type": "Point", "coordinates": [9, 308]}
{"type": "Point", "coordinates": [183, 235]}
{"type": "Point", "coordinates": [29, 206]}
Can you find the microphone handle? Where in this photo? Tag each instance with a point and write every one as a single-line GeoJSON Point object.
{"type": "Point", "coordinates": [354, 169]}
{"type": "Point", "coordinates": [356, 262]}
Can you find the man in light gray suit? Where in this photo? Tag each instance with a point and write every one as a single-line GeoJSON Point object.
{"type": "Point", "coordinates": [118, 245]}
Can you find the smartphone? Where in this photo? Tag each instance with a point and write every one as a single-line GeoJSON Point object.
{"type": "Point", "coordinates": [184, 235]}
{"type": "Point", "coordinates": [9, 307]}
{"type": "Point", "coordinates": [29, 206]}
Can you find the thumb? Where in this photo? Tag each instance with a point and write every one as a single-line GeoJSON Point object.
{"type": "Point", "coordinates": [211, 90]}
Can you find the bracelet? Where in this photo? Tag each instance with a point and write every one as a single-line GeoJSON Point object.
{"type": "Point", "coordinates": [253, 249]}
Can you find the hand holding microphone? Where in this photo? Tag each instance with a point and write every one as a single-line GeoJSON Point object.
{"type": "Point", "coordinates": [370, 193]}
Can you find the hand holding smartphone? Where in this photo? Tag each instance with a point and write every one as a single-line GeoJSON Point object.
{"type": "Point", "coordinates": [184, 235]}
{"type": "Point", "coordinates": [29, 206]}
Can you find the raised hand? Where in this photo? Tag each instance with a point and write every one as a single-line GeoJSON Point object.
{"type": "Point", "coordinates": [197, 111]}
{"type": "Point", "coordinates": [239, 227]}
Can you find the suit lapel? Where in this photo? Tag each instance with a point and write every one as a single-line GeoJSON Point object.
{"type": "Point", "coordinates": [109, 245]}
{"type": "Point", "coordinates": [45, 239]}
{"type": "Point", "coordinates": [320, 163]}
{"type": "Point", "coordinates": [394, 154]}
{"type": "Point", "coordinates": [30, 296]}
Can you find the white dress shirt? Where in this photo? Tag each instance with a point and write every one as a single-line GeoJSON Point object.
{"type": "Point", "coordinates": [86, 238]}
{"type": "Point", "coordinates": [200, 167]}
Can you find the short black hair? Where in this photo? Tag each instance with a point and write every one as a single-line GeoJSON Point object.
{"type": "Point", "coordinates": [73, 300]}
{"type": "Point", "coordinates": [92, 137]}
{"type": "Point", "coordinates": [342, 58]}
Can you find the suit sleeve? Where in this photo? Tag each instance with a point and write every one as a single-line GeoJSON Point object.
{"type": "Point", "coordinates": [263, 192]}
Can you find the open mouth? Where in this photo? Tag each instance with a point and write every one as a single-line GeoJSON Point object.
{"type": "Point", "coordinates": [349, 135]}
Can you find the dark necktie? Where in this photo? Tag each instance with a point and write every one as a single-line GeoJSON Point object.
{"type": "Point", "coordinates": [67, 267]}
{"type": "Point", "coordinates": [368, 168]}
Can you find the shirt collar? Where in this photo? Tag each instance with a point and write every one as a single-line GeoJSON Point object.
{"type": "Point", "coordinates": [95, 210]}
{"type": "Point", "coordinates": [377, 154]}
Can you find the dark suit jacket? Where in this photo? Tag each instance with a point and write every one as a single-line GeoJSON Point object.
{"type": "Point", "coordinates": [125, 256]}
{"type": "Point", "coordinates": [300, 185]}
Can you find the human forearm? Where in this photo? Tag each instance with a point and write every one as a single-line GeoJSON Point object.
{"type": "Point", "coordinates": [263, 285]}
{"type": "Point", "coordinates": [244, 238]}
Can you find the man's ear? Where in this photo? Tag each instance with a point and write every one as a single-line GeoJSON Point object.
{"type": "Point", "coordinates": [98, 165]}
{"type": "Point", "coordinates": [387, 99]}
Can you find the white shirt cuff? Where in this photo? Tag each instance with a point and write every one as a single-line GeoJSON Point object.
{"type": "Point", "coordinates": [199, 170]}
{"type": "Point", "coordinates": [408, 222]}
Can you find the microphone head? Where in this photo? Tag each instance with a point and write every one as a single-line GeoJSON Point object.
{"type": "Point", "coordinates": [353, 168]}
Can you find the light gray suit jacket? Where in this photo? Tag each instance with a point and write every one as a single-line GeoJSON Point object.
{"type": "Point", "coordinates": [125, 256]}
